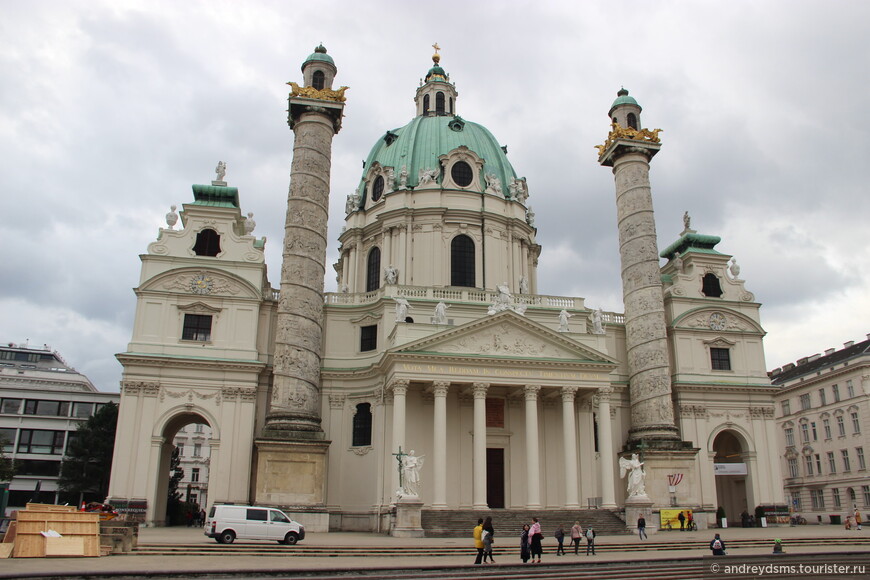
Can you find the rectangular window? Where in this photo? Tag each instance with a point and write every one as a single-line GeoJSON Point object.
{"type": "Point", "coordinates": [847, 464]}
{"type": "Point", "coordinates": [196, 327]}
{"type": "Point", "coordinates": [38, 467]}
{"type": "Point", "coordinates": [856, 424]}
{"type": "Point", "coordinates": [368, 338]}
{"type": "Point", "coordinates": [861, 463]}
{"type": "Point", "coordinates": [805, 402]}
{"type": "Point", "coordinates": [805, 433]}
{"type": "Point", "coordinates": [818, 464]}
{"type": "Point", "coordinates": [808, 464]}
{"type": "Point", "coordinates": [866, 490]}
{"type": "Point", "coordinates": [198, 428]}
{"type": "Point", "coordinates": [720, 359]}
{"type": "Point", "coordinates": [47, 408]}
{"type": "Point", "coordinates": [10, 406]}
{"type": "Point", "coordinates": [792, 467]}
{"type": "Point", "coordinates": [850, 389]}
{"type": "Point", "coordinates": [813, 427]}
{"type": "Point", "coordinates": [789, 437]}
{"type": "Point", "coordinates": [836, 390]}
{"type": "Point", "coordinates": [832, 464]}
{"type": "Point", "coordinates": [796, 502]}
{"type": "Point", "coordinates": [786, 407]}
{"type": "Point", "coordinates": [841, 426]}
{"type": "Point", "coordinates": [258, 515]}
{"type": "Point", "coordinates": [180, 448]}
{"type": "Point", "coordinates": [818, 497]}
{"type": "Point", "coordinates": [7, 439]}
{"type": "Point", "coordinates": [836, 494]}
{"type": "Point", "coordinates": [822, 400]}
{"type": "Point", "coordinates": [826, 423]}
{"type": "Point", "coordinates": [197, 449]}
{"type": "Point", "coordinates": [83, 410]}
{"type": "Point", "coordinates": [41, 441]}
{"type": "Point", "coordinates": [194, 474]}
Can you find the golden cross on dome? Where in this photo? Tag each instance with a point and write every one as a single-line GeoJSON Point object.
{"type": "Point", "coordinates": [436, 47]}
{"type": "Point", "coordinates": [436, 58]}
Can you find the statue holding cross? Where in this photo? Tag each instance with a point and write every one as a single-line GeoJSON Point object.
{"type": "Point", "coordinates": [400, 457]}
{"type": "Point", "coordinates": [409, 473]}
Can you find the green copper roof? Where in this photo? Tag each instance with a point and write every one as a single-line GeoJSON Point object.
{"type": "Point", "coordinates": [622, 98]}
{"type": "Point", "coordinates": [319, 55]}
{"type": "Point", "coordinates": [419, 144]}
{"type": "Point", "coordinates": [694, 242]}
{"type": "Point", "coordinates": [216, 196]}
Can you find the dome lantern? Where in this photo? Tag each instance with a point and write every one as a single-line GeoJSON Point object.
{"type": "Point", "coordinates": [436, 96]}
{"type": "Point", "coordinates": [625, 111]}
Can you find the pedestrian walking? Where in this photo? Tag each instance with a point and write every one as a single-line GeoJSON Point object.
{"type": "Point", "coordinates": [535, 537]}
{"type": "Point", "coordinates": [478, 540]}
{"type": "Point", "coordinates": [682, 519]}
{"type": "Point", "coordinates": [488, 534]}
{"type": "Point", "coordinates": [560, 539]}
{"type": "Point", "coordinates": [717, 545]}
{"type": "Point", "coordinates": [525, 548]}
{"type": "Point", "coordinates": [576, 536]}
{"type": "Point", "coordinates": [590, 540]}
{"type": "Point", "coordinates": [641, 528]}
{"type": "Point", "coordinates": [857, 518]}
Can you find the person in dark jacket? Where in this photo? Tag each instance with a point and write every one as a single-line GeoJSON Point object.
{"type": "Point", "coordinates": [525, 548]}
{"type": "Point", "coordinates": [717, 546]}
{"type": "Point", "coordinates": [488, 533]}
{"type": "Point", "coordinates": [560, 538]}
{"type": "Point", "coordinates": [641, 528]}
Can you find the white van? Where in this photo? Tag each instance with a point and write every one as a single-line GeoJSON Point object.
{"type": "Point", "coordinates": [225, 523]}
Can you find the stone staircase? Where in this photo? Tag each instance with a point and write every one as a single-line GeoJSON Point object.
{"type": "Point", "coordinates": [459, 523]}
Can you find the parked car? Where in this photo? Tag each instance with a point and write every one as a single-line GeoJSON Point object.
{"type": "Point", "coordinates": [226, 523]}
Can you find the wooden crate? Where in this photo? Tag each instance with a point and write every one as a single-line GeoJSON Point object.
{"type": "Point", "coordinates": [66, 546]}
{"type": "Point", "coordinates": [50, 507]}
{"type": "Point", "coordinates": [30, 543]}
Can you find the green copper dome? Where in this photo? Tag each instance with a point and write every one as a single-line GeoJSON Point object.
{"type": "Point", "coordinates": [622, 98]}
{"type": "Point", "coordinates": [319, 55]}
{"type": "Point", "coordinates": [420, 143]}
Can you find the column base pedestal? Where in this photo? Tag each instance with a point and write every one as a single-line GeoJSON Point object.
{"type": "Point", "coordinates": [408, 520]}
{"type": "Point", "coordinates": [291, 475]}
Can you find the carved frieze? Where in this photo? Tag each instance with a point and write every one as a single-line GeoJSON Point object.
{"type": "Point", "coordinates": [145, 388]}
{"type": "Point", "coordinates": [502, 340]}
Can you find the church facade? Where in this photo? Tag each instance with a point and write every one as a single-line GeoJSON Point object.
{"type": "Point", "coordinates": [439, 342]}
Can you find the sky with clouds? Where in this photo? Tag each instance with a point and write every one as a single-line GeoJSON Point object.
{"type": "Point", "coordinates": [110, 110]}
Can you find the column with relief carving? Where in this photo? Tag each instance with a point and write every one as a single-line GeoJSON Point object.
{"type": "Point", "coordinates": [533, 465]}
{"type": "Point", "coordinates": [478, 491]}
{"type": "Point", "coordinates": [439, 445]}
{"type": "Point", "coordinates": [400, 389]}
{"type": "Point", "coordinates": [569, 430]}
{"type": "Point", "coordinates": [605, 448]}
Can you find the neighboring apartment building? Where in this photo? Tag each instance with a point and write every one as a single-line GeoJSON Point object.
{"type": "Point", "coordinates": [42, 402]}
{"type": "Point", "coordinates": [195, 455]}
{"type": "Point", "coordinates": [823, 415]}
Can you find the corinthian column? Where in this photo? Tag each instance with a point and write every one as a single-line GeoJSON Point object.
{"type": "Point", "coordinates": [400, 389]}
{"type": "Point", "coordinates": [439, 445]}
{"type": "Point", "coordinates": [478, 491]}
{"type": "Point", "coordinates": [605, 448]}
{"type": "Point", "coordinates": [569, 432]}
{"type": "Point", "coordinates": [533, 464]}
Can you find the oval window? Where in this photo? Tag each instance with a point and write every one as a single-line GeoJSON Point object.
{"type": "Point", "coordinates": [378, 188]}
{"type": "Point", "coordinates": [461, 174]}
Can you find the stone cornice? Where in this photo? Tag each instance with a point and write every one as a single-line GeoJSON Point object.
{"type": "Point", "coordinates": [128, 358]}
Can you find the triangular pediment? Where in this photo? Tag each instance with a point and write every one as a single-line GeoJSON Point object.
{"type": "Point", "coordinates": [506, 335]}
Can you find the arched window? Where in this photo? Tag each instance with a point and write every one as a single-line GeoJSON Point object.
{"type": "Point", "coordinates": [208, 243]}
{"type": "Point", "coordinates": [710, 285]}
{"type": "Point", "coordinates": [451, 105]}
{"type": "Point", "coordinates": [318, 80]}
{"type": "Point", "coordinates": [462, 261]}
{"type": "Point", "coordinates": [425, 104]}
{"type": "Point", "coordinates": [362, 425]}
{"type": "Point", "coordinates": [373, 271]}
{"type": "Point", "coordinates": [439, 103]}
{"type": "Point", "coordinates": [632, 120]}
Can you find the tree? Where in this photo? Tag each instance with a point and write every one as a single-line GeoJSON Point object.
{"type": "Point", "coordinates": [7, 465]}
{"type": "Point", "coordinates": [174, 507]}
{"type": "Point", "coordinates": [88, 462]}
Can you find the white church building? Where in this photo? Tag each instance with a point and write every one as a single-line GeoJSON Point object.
{"type": "Point", "coordinates": [440, 341]}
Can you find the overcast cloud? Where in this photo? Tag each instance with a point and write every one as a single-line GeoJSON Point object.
{"type": "Point", "coordinates": [109, 111]}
